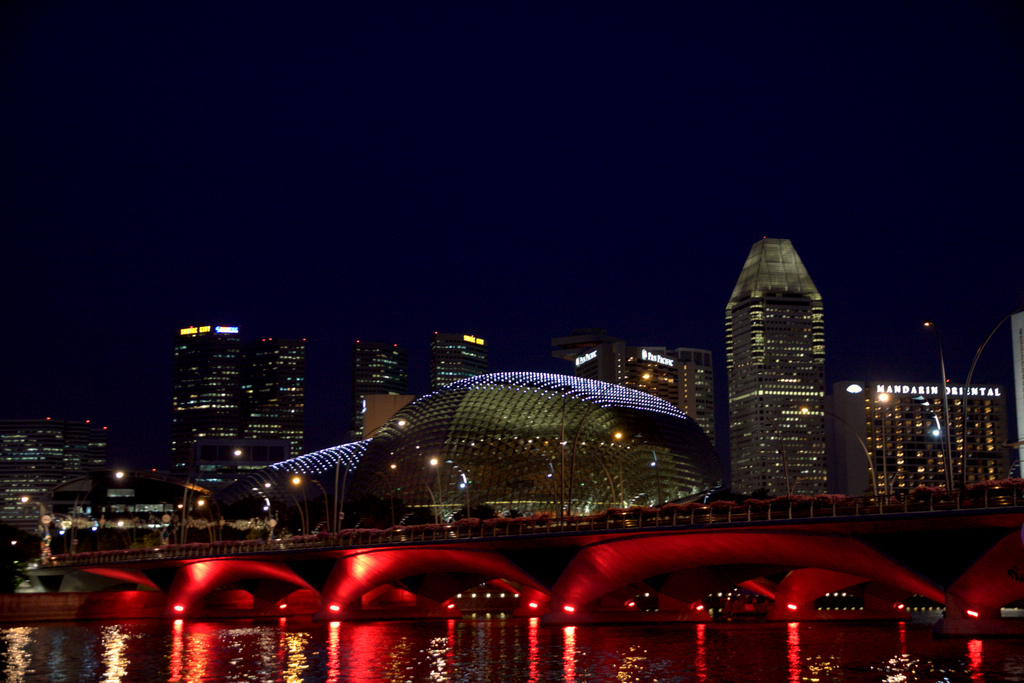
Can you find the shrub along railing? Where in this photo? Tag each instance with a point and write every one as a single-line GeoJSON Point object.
{"type": "Point", "coordinates": [1007, 494]}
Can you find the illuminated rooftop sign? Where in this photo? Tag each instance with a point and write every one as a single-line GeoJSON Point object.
{"type": "Point", "coordinates": [655, 358]}
{"type": "Point", "coordinates": [220, 329]}
{"type": "Point", "coordinates": [472, 340]}
{"type": "Point", "coordinates": [586, 357]}
{"type": "Point", "coordinates": [933, 390]}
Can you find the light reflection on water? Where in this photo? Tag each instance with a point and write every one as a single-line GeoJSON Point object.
{"type": "Point", "coordinates": [508, 651]}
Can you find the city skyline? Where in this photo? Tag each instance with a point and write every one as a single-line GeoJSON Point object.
{"type": "Point", "coordinates": [372, 173]}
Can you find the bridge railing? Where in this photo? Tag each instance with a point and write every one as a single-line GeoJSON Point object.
{"type": "Point", "coordinates": [688, 515]}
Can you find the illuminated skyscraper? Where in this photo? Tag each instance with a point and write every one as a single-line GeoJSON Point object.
{"type": "Point", "coordinates": [775, 359]}
{"type": "Point", "coordinates": [454, 357]}
{"type": "Point", "coordinates": [273, 386]}
{"type": "Point", "coordinates": [36, 456]}
{"type": "Point", "coordinates": [227, 391]}
{"type": "Point", "coordinates": [377, 368]}
{"type": "Point", "coordinates": [207, 392]}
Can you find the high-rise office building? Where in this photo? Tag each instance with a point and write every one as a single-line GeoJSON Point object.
{"type": "Point", "coordinates": [775, 359]}
{"type": "Point", "coordinates": [207, 391]}
{"type": "Point", "coordinates": [225, 390]}
{"type": "Point", "coordinates": [36, 456]}
{"type": "Point", "coordinates": [897, 431]}
{"type": "Point", "coordinates": [454, 357]}
{"type": "Point", "coordinates": [377, 368]}
{"type": "Point", "coordinates": [681, 376]}
{"type": "Point", "coordinates": [273, 388]}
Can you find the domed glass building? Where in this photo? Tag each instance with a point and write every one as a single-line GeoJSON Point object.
{"type": "Point", "coordinates": [519, 443]}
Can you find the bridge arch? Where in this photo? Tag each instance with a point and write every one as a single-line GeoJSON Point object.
{"type": "Point", "coordinates": [432, 574]}
{"type": "Point", "coordinates": [194, 581]}
{"type": "Point", "coordinates": [603, 568]}
{"type": "Point", "coordinates": [992, 581]}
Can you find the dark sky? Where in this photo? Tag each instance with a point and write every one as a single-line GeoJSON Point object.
{"type": "Point", "coordinates": [381, 171]}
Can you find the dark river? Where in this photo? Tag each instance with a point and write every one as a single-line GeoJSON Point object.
{"type": "Point", "coordinates": [501, 650]}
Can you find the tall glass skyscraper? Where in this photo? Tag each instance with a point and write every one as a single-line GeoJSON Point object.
{"type": "Point", "coordinates": [454, 357]}
{"type": "Point", "coordinates": [775, 360]}
{"type": "Point", "coordinates": [377, 368]}
{"type": "Point", "coordinates": [226, 390]}
{"type": "Point", "coordinates": [207, 393]}
{"type": "Point", "coordinates": [273, 386]}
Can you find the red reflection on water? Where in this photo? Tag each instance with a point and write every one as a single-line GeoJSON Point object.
{"type": "Point", "coordinates": [449, 654]}
{"type": "Point", "coordinates": [177, 645]}
{"type": "Point", "coordinates": [903, 638]}
{"type": "Point", "coordinates": [975, 655]}
{"type": "Point", "coordinates": [198, 649]}
{"type": "Point", "coordinates": [334, 651]}
{"type": "Point", "coordinates": [793, 651]}
{"type": "Point", "coordinates": [533, 651]}
{"type": "Point", "coordinates": [569, 653]}
{"type": "Point", "coordinates": [701, 659]}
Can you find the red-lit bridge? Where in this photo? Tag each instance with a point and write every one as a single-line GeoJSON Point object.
{"type": "Point", "coordinates": [668, 564]}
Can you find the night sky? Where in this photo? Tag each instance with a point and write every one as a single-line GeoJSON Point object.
{"type": "Point", "coordinates": [385, 170]}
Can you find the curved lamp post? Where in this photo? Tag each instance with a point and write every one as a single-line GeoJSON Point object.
{"type": "Point", "coordinates": [871, 466]}
{"type": "Point", "coordinates": [947, 455]}
{"type": "Point", "coordinates": [967, 384]}
{"type": "Point", "coordinates": [782, 452]}
{"type": "Point", "coordinates": [339, 502]}
{"type": "Point", "coordinates": [327, 507]}
{"type": "Point", "coordinates": [566, 507]}
{"type": "Point", "coordinates": [296, 481]}
{"type": "Point", "coordinates": [884, 398]}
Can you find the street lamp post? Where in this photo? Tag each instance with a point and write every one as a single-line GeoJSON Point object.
{"type": "Point", "coordinates": [871, 466]}
{"type": "Point", "coordinates": [302, 517]}
{"type": "Point", "coordinates": [967, 384]}
{"type": "Point", "coordinates": [566, 507]}
{"type": "Point", "coordinates": [327, 507]}
{"type": "Point", "coordinates": [436, 464]}
{"type": "Point", "coordinates": [884, 398]}
{"type": "Point", "coordinates": [782, 453]}
{"type": "Point", "coordinates": [947, 455]}
{"type": "Point", "coordinates": [657, 474]}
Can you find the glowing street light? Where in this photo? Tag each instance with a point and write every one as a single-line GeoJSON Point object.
{"type": "Point", "coordinates": [947, 455]}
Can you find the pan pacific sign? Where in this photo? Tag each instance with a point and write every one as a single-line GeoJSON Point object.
{"type": "Point", "coordinates": [656, 358]}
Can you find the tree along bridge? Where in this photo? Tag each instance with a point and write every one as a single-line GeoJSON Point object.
{"type": "Point", "coordinates": [965, 553]}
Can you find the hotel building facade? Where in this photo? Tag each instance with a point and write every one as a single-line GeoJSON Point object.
{"type": "Point", "coordinates": [897, 434]}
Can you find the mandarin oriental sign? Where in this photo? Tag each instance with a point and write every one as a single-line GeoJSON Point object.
{"type": "Point", "coordinates": [655, 358]}
{"type": "Point", "coordinates": [586, 357]}
{"type": "Point", "coordinates": [933, 390]}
